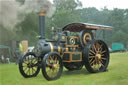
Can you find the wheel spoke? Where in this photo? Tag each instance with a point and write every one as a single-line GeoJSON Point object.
{"type": "Point", "coordinates": [48, 60]}
{"type": "Point", "coordinates": [49, 71]}
{"type": "Point", "coordinates": [58, 66]}
{"type": "Point", "coordinates": [100, 48]}
{"type": "Point", "coordinates": [94, 47]}
{"type": "Point", "coordinates": [25, 69]}
{"type": "Point", "coordinates": [31, 59]}
{"type": "Point", "coordinates": [96, 61]}
{"type": "Point", "coordinates": [91, 56]}
{"type": "Point", "coordinates": [98, 67]}
{"type": "Point", "coordinates": [91, 60]}
{"type": "Point", "coordinates": [55, 60]}
{"type": "Point", "coordinates": [103, 58]}
{"type": "Point", "coordinates": [53, 73]}
{"type": "Point", "coordinates": [99, 64]}
{"type": "Point", "coordinates": [28, 71]}
{"type": "Point", "coordinates": [25, 62]}
{"type": "Point", "coordinates": [103, 52]}
{"type": "Point", "coordinates": [102, 64]}
{"type": "Point", "coordinates": [93, 66]}
{"type": "Point", "coordinates": [25, 66]}
{"type": "Point", "coordinates": [97, 46]}
{"type": "Point", "coordinates": [28, 58]}
{"type": "Point", "coordinates": [102, 55]}
{"type": "Point", "coordinates": [93, 52]}
{"type": "Point", "coordinates": [34, 61]}
{"type": "Point", "coordinates": [33, 70]}
{"type": "Point", "coordinates": [49, 65]}
{"type": "Point", "coordinates": [51, 58]}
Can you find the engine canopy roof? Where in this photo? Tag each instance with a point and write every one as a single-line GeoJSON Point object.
{"type": "Point", "coordinates": [77, 27]}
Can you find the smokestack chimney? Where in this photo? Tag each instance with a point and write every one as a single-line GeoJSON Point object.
{"type": "Point", "coordinates": [42, 24]}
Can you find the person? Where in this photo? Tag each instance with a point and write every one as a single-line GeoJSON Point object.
{"type": "Point", "coordinates": [20, 47]}
{"type": "Point", "coordinates": [8, 60]}
{"type": "Point", "coordinates": [2, 59]}
{"type": "Point", "coordinates": [19, 52]}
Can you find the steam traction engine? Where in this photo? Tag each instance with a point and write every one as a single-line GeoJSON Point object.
{"type": "Point", "coordinates": [73, 48]}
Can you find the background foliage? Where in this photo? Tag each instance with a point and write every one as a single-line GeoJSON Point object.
{"type": "Point", "coordinates": [68, 11]}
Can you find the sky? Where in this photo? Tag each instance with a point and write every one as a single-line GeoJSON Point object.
{"type": "Point", "coordinates": [110, 4]}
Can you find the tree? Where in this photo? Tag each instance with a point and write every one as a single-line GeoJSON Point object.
{"type": "Point", "coordinates": [67, 4]}
{"type": "Point", "coordinates": [65, 12]}
{"type": "Point", "coordinates": [121, 37]}
{"type": "Point", "coordinates": [29, 28]}
{"type": "Point", "coordinates": [6, 35]}
{"type": "Point", "coordinates": [89, 15]}
{"type": "Point", "coordinates": [118, 18]}
{"type": "Point", "coordinates": [64, 17]}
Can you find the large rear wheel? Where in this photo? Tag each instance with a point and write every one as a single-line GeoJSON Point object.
{"type": "Point", "coordinates": [52, 66]}
{"type": "Point", "coordinates": [96, 56]}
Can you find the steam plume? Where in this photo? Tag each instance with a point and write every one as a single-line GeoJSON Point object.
{"type": "Point", "coordinates": [8, 13]}
{"type": "Point", "coordinates": [9, 10]}
{"type": "Point", "coordinates": [39, 6]}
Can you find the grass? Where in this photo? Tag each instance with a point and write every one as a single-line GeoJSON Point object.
{"type": "Point", "coordinates": [117, 75]}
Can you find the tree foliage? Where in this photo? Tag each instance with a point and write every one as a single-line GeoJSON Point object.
{"type": "Point", "coordinates": [67, 12]}
{"type": "Point", "coordinates": [70, 5]}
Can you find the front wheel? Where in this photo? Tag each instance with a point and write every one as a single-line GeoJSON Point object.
{"type": "Point", "coordinates": [52, 66]}
{"type": "Point", "coordinates": [29, 65]}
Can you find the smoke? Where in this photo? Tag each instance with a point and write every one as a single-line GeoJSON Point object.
{"type": "Point", "coordinates": [10, 9]}
{"type": "Point", "coordinates": [8, 13]}
{"type": "Point", "coordinates": [39, 6]}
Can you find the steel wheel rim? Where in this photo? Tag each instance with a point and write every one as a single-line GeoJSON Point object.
{"type": "Point", "coordinates": [98, 56]}
{"type": "Point", "coordinates": [52, 66]}
{"type": "Point", "coordinates": [29, 65]}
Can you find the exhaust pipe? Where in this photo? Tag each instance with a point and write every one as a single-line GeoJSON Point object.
{"type": "Point", "coordinates": [42, 25]}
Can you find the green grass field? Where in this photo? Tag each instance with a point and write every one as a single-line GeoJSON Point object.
{"type": "Point", "coordinates": [117, 75]}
